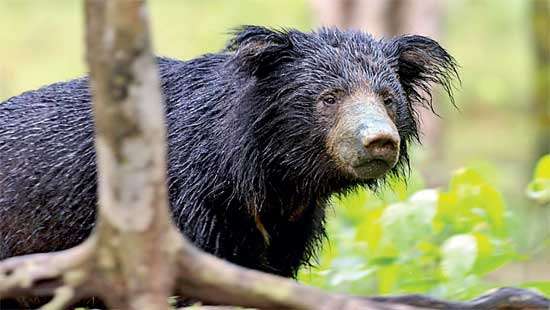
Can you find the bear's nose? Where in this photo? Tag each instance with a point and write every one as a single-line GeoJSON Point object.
{"type": "Point", "coordinates": [382, 146]}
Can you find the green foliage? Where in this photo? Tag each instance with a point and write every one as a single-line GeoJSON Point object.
{"type": "Point", "coordinates": [539, 189]}
{"type": "Point", "coordinates": [435, 241]}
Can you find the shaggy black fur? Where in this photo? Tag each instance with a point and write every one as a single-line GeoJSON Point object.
{"type": "Point", "coordinates": [249, 174]}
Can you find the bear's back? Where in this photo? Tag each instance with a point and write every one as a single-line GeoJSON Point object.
{"type": "Point", "coordinates": [47, 157]}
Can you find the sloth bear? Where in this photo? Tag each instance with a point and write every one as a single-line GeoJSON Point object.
{"type": "Point", "coordinates": [260, 135]}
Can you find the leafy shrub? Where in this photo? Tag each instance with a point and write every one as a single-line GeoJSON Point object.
{"type": "Point", "coordinates": [435, 241]}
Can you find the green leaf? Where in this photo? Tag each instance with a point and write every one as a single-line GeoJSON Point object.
{"type": "Point", "coordinates": [370, 230]}
{"type": "Point", "coordinates": [459, 254]}
{"type": "Point", "coordinates": [484, 266]}
{"type": "Point", "coordinates": [356, 206]}
{"type": "Point", "coordinates": [484, 246]}
{"type": "Point", "coordinates": [400, 226]}
{"type": "Point", "coordinates": [494, 205]}
{"type": "Point", "coordinates": [383, 260]}
{"type": "Point", "coordinates": [539, 191]}
{"type": "Point", "coordinates": [542, 171]}
{"type": "Point", "coordinates": [387, 278]}
{"type": "Point", "coordinates": [471, 204]}
{"type": "Point", "coordinates": [405, 223]}
{"type": "Point", "coordinates": [349, 275]}
{"type": "Point", "coordinates": [399, 189]}
{"type": "Point", "coordinates": [429, 250]}
{"type": "Point", "coordinates": [465, 176]}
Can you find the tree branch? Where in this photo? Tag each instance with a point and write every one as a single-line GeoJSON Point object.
{"type": "Point", "coordinates": [504, 298]}
{"type": "Point", "coordinates": [65, 274]}
{"type": "Point", "coordinates": [212, 280]}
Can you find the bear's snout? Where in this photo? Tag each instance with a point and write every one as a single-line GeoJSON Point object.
{"type": "Point", "coordinates": [365, 142]}
{"type": "Point", "coordinates": [380, 153]}
{"type": "Point", "coordinates": [381, 147]}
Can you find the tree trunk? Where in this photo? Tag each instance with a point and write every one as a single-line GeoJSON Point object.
{"type": "Point", "coordinates": [133, 227]}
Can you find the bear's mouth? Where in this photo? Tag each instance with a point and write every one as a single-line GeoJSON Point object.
{"type": "Point", "coordinates": [371, 169]}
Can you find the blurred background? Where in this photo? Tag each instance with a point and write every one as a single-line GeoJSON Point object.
{"type": "Point", "coordinates": [475, 211]}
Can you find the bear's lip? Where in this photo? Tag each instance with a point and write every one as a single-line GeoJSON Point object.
{"type": "Point", "coordinates": [371, 168]}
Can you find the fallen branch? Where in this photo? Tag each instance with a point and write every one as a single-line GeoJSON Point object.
{"type": "Point", "coordinates": [503, 298]}
{"type": "Point", "coordinates": [66, 275]}
{"type": "Point", "coordinates": [212, 280]}
{"type": "Point", "coordinates": [75, 273]}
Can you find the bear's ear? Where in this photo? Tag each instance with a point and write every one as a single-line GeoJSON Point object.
{"type": "Point", "coordinates": [259, 50]}
{"type": "Point", "coordinates": [421, 62]}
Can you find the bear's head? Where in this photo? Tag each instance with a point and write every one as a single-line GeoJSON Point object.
{"type": "Point", "coordinates": [336, 105]}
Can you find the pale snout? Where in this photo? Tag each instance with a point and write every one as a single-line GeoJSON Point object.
{"type": "Point", "coordinates": [381, 142]}
{"type": "Point", "coordinates": [365, 141]}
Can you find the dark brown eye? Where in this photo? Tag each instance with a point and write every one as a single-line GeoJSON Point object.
{"type": "Point", "coordinates": [388, 101]}
{"type": "Point", "coordinates": [329, 100]}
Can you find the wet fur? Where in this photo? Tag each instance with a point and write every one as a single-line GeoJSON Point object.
{"type": "Point", "coordinates": [249, 173]}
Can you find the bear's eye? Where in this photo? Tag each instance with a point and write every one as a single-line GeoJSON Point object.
{"type": "Point", "coordinates": [329, 100]}
{"type": "Point", "coordinates": [390, 105]}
